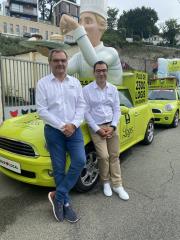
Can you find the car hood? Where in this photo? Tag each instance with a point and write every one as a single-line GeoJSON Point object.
{"type": "Point", "coordinates": [28, 129]}
{"type": "Point", "coordinates": [161, 103]}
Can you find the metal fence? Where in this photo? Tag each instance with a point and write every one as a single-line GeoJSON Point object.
{"type": "Point", "coordinates": [18, 81]}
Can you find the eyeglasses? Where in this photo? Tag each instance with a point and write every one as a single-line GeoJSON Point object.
{"type": "Point", "coordinates": [59, 60]}
{"type": "Point", "coordinates": [101, 70]}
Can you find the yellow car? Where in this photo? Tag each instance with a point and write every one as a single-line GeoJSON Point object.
{"type": "Point", "coordinates": [164, 100]}
{"type": "Point", "coordinates": [24, 155]}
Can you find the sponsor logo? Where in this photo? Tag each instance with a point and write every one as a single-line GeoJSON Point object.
{"type": "Point", "coordinates": [127, 132]}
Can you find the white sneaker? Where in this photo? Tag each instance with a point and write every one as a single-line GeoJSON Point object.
{"type": "Point", "coordinates": [107, 190]}
{"type": "Point", "coordinates": [121, 192]}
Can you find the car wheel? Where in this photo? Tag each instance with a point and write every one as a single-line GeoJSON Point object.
{"type": "Point", "coordinates": [90, 173]}
{"type": "Point", "coordinates": [149, 135]}
{"type": "Point", "coordinates": [175, 120]}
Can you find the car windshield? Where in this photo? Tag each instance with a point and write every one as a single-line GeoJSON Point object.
{"type": "Point", "coordinates": [162, 95]}
{"type": "Point", "coordinates": [125, 98]}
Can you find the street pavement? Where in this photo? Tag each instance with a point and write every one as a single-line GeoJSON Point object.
{"type": "Point", "coordinates": [151, 177]}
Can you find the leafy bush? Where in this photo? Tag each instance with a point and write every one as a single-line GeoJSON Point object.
{"type": "Point", "coordinates": [11, 46]}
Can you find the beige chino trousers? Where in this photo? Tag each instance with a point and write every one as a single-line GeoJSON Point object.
{"type": "Point", "coordinates": [108, 157]}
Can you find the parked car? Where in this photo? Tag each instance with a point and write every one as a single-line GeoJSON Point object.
{"type": "Point", "coordinates": [164, 100]}
{"type": "Point", "coordinates": [23, 150]}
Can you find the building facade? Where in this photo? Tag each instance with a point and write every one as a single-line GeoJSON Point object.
{"type": "Point", "coordinates": [25, 9]}
{"type": "Point", "coordinates": [65, 7]}
{"type": "Point", "coordinates": [18, 27]}
{"type": "Point", "coordinates": [4, 8]}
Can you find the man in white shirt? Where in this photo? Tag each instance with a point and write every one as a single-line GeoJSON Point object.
{"type": "Point", "coordinates": [61, 105]}
{"type": "Point", "coordinates": [102, 115]}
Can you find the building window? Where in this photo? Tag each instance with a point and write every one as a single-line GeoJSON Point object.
{"type": "Point", "coordinates": [24, 29]}
{"type": "Point", "coordinates": [11, 28]}
{"type": "Point", "coordinates": [16, 8]}
{"type": "Point", "coordinates": [46, 35]}
{"type": "Point", "coordinates": [34, 30]}
{"type": "Point", "coordinates": [17, 29]}
{"type": "Point", "coordinates": [5, 27]}
{"type": "Point", "coordinates": [67, 8]}
{"type": "Point", "coordinates": [75, 10]}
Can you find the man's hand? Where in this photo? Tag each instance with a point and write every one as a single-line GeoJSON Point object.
{"type": "Point", "coordinates": [67, 24]}
{"type": "Point", "coordinates": [101, 133]}
{"type": "Point", "coordinates": [68, 129]}
{"type": "Point", "coordinates": [108, 131]}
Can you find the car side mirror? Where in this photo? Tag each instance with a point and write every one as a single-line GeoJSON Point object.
{"type": "Point", "coordinates": [124, 110]}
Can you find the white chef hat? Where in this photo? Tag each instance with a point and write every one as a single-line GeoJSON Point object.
{"type": "Point", "coordinates": [95, 6]}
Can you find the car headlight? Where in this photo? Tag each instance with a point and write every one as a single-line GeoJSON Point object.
{"type": "Point", "coordinates": [168, 107]}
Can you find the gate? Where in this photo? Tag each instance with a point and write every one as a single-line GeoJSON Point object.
{"type": "Point", "coordinates": [18, 82]}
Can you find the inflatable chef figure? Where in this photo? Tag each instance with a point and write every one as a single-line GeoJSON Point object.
{"type": "Point", "coordinates": [87, 33]}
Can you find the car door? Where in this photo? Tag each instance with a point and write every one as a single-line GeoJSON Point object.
{"type": "Point", "coordinates": [140, 120]}
{"type": "Point", "coordinates": [178, 99]}
{"type": "Point", "coordinates": [126, 129]}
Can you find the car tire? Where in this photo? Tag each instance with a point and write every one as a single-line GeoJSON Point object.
{"type": "Point", "coordinates": [149, 135]}
{"type": "Point", "coordinates": [175, 120]}
{"type": "Point", "coordinates": [90, 173]}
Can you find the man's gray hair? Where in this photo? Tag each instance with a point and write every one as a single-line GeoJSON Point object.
{"type": "Point", "coordinates": [56, 51]}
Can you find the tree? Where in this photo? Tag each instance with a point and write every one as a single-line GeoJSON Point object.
{"type": "Point", "coordinates": [112, 37]}
{"type": "Point", "coordinates": [170, 30]}
{"type": "Point", "coordinates": [46, 8]}
{"type": "Point", "coordinates": [112, 18]}
{"type": "Point", "coordinates": [139, 22]}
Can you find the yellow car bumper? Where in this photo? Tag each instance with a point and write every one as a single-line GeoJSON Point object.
{"type": "Point", "coordinates": [164, 118]}
{"type": "Point", "coordinates": [35, 170]}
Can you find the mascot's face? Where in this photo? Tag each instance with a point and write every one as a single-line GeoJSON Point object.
{"type": "Point", "coordinates": [88, 20]}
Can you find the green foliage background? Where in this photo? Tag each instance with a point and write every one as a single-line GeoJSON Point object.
{"type": "Point", "coordinates": [11, 46]}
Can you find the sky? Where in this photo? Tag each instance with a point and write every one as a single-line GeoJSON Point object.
{"type": "Point", "coordinates": [165, 9]}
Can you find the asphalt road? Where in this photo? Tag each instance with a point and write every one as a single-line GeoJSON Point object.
{"type": "Point", "coordinates": [151, 176]}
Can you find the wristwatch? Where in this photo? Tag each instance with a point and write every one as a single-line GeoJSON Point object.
{"type": "Point", "coordinates": [114, 127]}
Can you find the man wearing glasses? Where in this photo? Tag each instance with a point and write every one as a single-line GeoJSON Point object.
{"type": "Point", "coordinates": [102, 115]}
{"type": "Point", "coordinates": [61, 105]}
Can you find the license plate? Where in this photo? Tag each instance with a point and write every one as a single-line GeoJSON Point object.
{"type": "Point", "coordinates": [11, 165]}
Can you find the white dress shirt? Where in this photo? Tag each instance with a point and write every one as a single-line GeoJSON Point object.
{"type": "Point", "coordinates": [103, 105]}
{"type": "Point", "coordinates": [60, 102]}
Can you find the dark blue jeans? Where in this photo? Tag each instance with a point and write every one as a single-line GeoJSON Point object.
{"type": "Point", "coordinates": [58, 144]}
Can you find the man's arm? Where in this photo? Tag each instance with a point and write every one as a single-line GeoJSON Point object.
{"type": "Point", "coordinates": [116, 109]}
{"type": "Point", "coordinates": [80, 107]}
{"type": "Point", "coordinates": [42, 108]}
{"type": "Point", "coordinates": [88, 117]}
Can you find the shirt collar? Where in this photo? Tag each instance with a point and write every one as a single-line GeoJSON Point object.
{"type": "Point", "coordinates": [96, 86]}
{"type": "Point", "coordinates": [52, 77]}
